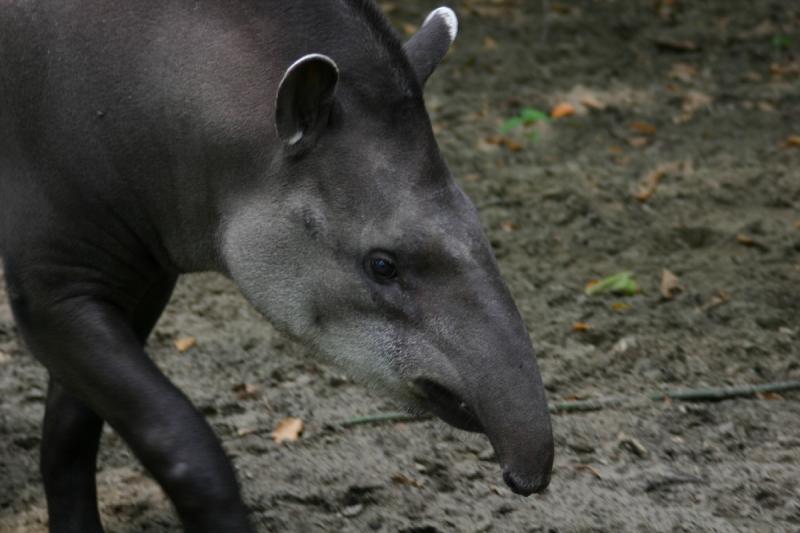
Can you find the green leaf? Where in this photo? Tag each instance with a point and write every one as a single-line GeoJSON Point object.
{"type": "Point", "coordinates": [510, 124]}
{"type": "Point", "coordinates": [780, 42]}
{"type": "Point", "coordinates": [621, 283]}
{"type": "Point", "coordinates": [529, 115]}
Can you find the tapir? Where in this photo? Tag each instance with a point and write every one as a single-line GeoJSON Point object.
{"type": "Point", "coordinates": [283, 143]}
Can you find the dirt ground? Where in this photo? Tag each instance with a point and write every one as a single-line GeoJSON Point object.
{"type": "Point", "coordinates": [704, 96]}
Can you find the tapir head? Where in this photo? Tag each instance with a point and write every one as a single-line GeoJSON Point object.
{"type": "Point", "coordinates": [363, 246]}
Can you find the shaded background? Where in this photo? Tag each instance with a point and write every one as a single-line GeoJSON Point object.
{"type": "Point", "coordinates": [679, 151]}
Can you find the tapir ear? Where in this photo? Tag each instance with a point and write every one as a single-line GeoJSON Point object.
{"type": "Point", "coordinates": [305, 98]}
{"type": "Point", "coordinates": [429, 45]}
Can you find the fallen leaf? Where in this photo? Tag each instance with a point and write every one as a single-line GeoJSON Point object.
{"type": "Point", "coordinates": [184, 344]}
{"type": "Point", "coordinates": [632, 444]}
{"type": "Point", "coordinates": [645, 128]}
{"type": "Point", "coordinates": [489, 43]}
{"type": "Point", "coordinates": [472, 177]}
{"type": "Point", "coordinates": [562, 110]}
{"type": "Point", "coordinates": [683, 72]}
{"type": "Point", "coordinates": [409, 29]}
{"type": "Point", "coordinates": [508, 226]}
{"type": "Point", "coordinates": [4, 358]}
{"type": "Point", "coordinates": [669, 284]}
{"type": "Point", "coordinates": [693, 101]}
{"type": "Point", "coordinates": [620, 283]}
{"type": "Point", "coordinates": [650, 182]}
{"type": "Point", "coordinates": [401, 479]}
{"type": "Point", "coordinates": [246, 391]}
{"type": "Point", "coordinates": [793, 141]}
{"type": "Point", "coordinates": [716, 300]}
{"type": "Point", "coordinates": [581, 326]}
{"type": "Point", "coordinates": [243, 432]}
{"type": "Point", "coordinates": [789, 69]}
{"type": "Point", "coordinates": [638, 142]}
{"type": "Point", "coordinates": [797, 224]}
{"type": "Point", "coordinates": [676, 45]}
{"type": "Point", "coordinates": [769, 396]}
{"type": "Point", "coordinates": [287, 430]}
{"type": "Point", "coordinates": [592, 102]}
{"type": "Point", "coordinates": [589, 468]}
{"type": "Point", "coordinates": [511, 144]}
{"type": "Point", "coordinates": [745, 239]}
{"type": "Point", "coordinates": [620, 306]}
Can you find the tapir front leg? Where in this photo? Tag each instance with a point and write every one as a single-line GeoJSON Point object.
{"type": "Point", "coordinates": [71, 434]}
{"type": "Point", "coordinates": [93, 349]}
{"type": "Point", "coordinates": [70, 438]}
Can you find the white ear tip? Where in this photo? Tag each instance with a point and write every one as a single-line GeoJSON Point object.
{"type": "Point", "coordinates": [312, 57]}
{"type": "Point", "coordinates": [448, 17]}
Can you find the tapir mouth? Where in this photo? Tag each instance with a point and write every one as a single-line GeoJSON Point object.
{"type": "Point", "coordinates": [447, 405]}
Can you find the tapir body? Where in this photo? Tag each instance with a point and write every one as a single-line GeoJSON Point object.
{"type": "Point", "coordinates": [283, 143]}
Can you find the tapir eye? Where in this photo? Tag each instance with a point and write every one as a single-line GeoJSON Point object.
{"type": "Point", "coordinates": [381, 267]}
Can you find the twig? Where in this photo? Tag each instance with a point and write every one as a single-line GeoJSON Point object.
{"type": "Point", "coordinates": [725, 393]}
{"type": "Point", "coordinates": [597, 404]}
{"type": "Point", "coordinates": [383, 418]}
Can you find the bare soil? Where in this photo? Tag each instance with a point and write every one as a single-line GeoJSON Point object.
{"type": "Point", "coordinates": [708, 94]}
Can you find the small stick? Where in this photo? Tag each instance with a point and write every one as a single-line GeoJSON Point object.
{"type": "Point", "coordinates": [724, 393]}
{"type": "Point", "coordinates": [597, 404]}
{"type": "Point", "coordinates": [383, 418]}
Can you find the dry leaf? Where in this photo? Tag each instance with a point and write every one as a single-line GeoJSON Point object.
{"type": "Point", "coordinates": [409, 29]}
{"type": "Point", "coordinates": [620, 306]}
{"type": "Point", "coordinates": [581, 326]}
{"type": "Point", "coordinates": [185, 344]}
{"type": "Point", "coordinates": [489, 43]}
{"type": "Point", "coordinates": [789, 69]}
{"type": "Point", "coordinates": [694, 101]}
{"type": "Point", "coordinates": [401, 479]}
{"type": "Point", "coordinates": [746, 240]}
{"type": "Point", "coordinates": [638, 142]}
{"type": "Point", "coordinates": [472, 178]}
{"type": "Point", "coordinates": [718, 299]}
{"type": "Point", "coordinates": [677, 45]}
{"type": "Point", "coordinates": [511, 144]}
{"type": "Point", "coordinates": [769, 396]}
{"type": "Point", "coordinates": [508, 226]}
{"type": "Point", "coordinates": [592, 102]}
{"type": "Point", "coordinates": [589, 468]}
{"type": "Point", "coordinates": [243, 432]}
{"type": "Point", "coordinates": [683, 72]}
{"type": "Point", "coordinates": [669, 284]}
{"type": "Point", "coordinates": [561, 110]}
{"type": "Point", "coordinates": [793, 140]}
{"type": "Point", "coordinates": [287, 430]}
{"type": "Point", "coordinates": [645, 128]}
{"type": "Point", "coordinates": [650, 182]}
{"type": "Point", "coordinates": [246, 391]}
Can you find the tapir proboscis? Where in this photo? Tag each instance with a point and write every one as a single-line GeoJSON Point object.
{"type": "Point", "coordinates": [284, 143]}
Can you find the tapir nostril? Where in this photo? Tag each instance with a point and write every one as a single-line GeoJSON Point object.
{"type": "Point", "coordinates": [523, 486]}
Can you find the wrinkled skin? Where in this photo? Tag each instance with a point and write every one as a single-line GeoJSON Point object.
{"type": "Point", "coordinates": [251, 138]}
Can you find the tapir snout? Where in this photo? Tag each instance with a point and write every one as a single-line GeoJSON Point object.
{"type": "Point", "coordinates": [492, 383]}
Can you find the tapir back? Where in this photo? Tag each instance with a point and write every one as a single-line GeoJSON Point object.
{"type": "Point", "coordinates": [144, 117]}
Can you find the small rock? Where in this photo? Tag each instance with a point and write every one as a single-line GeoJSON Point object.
{"type": "Point", "coordinates": [624, 344]}
{"type": "Point", "coordinates": [352, 510]}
